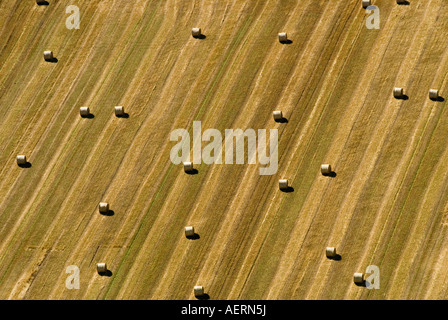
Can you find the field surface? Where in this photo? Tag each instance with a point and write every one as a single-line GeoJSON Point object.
{"type": "Point", "coordinates": [386, 205]}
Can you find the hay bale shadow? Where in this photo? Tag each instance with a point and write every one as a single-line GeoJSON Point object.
{"type": "Point", "coordinates": [192, 172]}
{"type": "Point", "coordinates": [107, 273]}
{"type": "Point", "coordinates": [201, 37]}
{"type": "Point", "coordinates": [43, 3]}
{"type": "Point", "coordinates": [124, 115]}
{"type": "Point", "coordinates": [205, 296]}
{"type": "Point", "coordinates": [195, 236]}
{"type": "Point", "coordinates": [403, 97]}
{"type": "Point", "coordinates": [286, 41]}
{"type": "Point", "coordinates": [362, 284]}
{"type": "Point", "coordinates": [405, 3]}
{"type": "Point", "coordinates": [438, 99]}
{"type": "Point", "coordinates": [89, 116]}
{"type": "Point", "coordinates": [282, 120]}
{"type": "Point", "coordinates": [332, 174]}
{"type": "Point", "coordinates": [288, 190]}
{"type": "Point", "coordinates": [108, 213]}
{"type": "Point", "coordinates": [25, 165]}
{"type": "Point", "coordinates": [52, 60]}
{"type": "Point", "coordinates": [337, 257]}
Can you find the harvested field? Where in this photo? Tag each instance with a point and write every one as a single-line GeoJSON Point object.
{"type": "Point", "coordinates": [386, 203]}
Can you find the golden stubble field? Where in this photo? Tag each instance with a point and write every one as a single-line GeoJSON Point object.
{"type": "Point", "coordinates": [386, 206]}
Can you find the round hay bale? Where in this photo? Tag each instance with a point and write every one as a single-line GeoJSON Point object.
{"type": "Point", "coordinates": [84, 111]}
{"type": "Point", "coordinates": [21, 160]}
{"type": "Point", "coordinates": [188, 166]}
{"type": "Point", "coordinates": [278, 115]}
{"type": "Point", "coordinates": [330, 252]}
{"type": "Point", "coordinates": [196, 32]}
{"type": "Point", "coordinates": [358, 278]}
{"type": "Point", "coordinates": [101, 267]}
{"type": "Point", "coordinates": [433, 94]}
{"type": "Point", "coordinates": [189, 231]}
{"type": "Point", "coordinates": [103, 207]}
{"type": "Point", "coordinates": [325, 169]}
{"type": "Point", "coordinates": [366, 3]}
{"type": "Point", "coordinates": [119, 111]}
{"type": "Point", "coordinates": [282, 37]}
{"type": "Point", "coordinates": [398, 92]}
{"type": "Point", "coordinates": [198, 291]}
{"type": "Point", "coordinates": [283, 184]}
{"type": "Point", "coordinates": [48, 55]}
